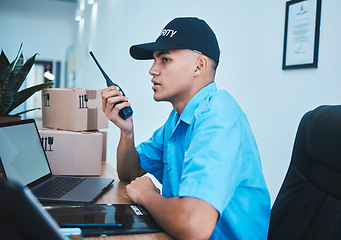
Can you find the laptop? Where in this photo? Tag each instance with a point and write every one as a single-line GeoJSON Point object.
{"type": "Point", "coordinates": [23, 159]}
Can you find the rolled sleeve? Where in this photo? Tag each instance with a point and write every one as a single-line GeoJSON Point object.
{"type": "Point", "coordinates": [151, 155]}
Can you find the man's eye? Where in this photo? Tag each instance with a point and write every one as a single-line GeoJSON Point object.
{"type": "Point", "coordinates": [164, 60]}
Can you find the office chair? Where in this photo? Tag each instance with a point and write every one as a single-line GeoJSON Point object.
{"type": "Point", "coordinates": [22, 217]}
{"type": "Point", "coordinates": [308, 205]}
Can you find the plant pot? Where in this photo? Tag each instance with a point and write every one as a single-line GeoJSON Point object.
{"type": "Point", "coordinates": [9, 118]}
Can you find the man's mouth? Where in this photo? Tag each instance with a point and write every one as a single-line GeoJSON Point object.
{"type": "Point", "coordinates": [155, 84]}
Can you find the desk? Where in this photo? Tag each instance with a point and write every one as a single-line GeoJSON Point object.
{"type": "Point", "coordinates": [117, 194]}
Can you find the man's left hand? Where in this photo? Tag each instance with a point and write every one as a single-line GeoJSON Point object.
{"type": "Point", "coordinates": [140, 186]}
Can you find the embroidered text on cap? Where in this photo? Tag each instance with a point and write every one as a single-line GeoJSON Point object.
{"type": "Point", "coordinates": [168, 32]}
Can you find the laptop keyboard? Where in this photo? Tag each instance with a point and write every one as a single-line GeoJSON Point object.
{"type": "Point", "coordinates": [57, 187]}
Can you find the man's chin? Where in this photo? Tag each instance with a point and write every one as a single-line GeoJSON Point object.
{"type": "Point", "coordinates": [158, 99]}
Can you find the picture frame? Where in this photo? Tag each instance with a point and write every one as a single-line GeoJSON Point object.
{"type": "Point", "coordinates": [301, 34]}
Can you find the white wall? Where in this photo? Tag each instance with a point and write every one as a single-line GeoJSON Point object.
{"type": "Point", "coordinates": [43, 26]}
{"type": "Point", "coordinates": [250, 34]}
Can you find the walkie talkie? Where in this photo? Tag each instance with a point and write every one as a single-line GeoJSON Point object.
{"type": "Point", "coordinates": [125, 112]}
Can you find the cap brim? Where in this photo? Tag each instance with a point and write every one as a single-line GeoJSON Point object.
{"type": "Point", "coordinates": [145, 51]}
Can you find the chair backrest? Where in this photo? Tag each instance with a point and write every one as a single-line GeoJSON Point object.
{"type": "Point", "coordinates": [308, 205]}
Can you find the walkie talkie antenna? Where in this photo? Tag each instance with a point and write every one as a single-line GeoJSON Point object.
{"type": "Point", "coordinates": [125, 112]}
{"type": "Point", "coordinates": [109, 82]}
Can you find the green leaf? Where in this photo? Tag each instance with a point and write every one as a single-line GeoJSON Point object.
{"type": "Point", "coordinates": [16, 58]}
{"type": "Point", "coordinates": [23, 95]}
{"type": "Point", "coordinates": [12, 76]}
{"type": "Point", "coordinates": [5, 71]}
{"type": "Point", "coordinates": [19, 63]}
{"type": "Point", "coordinates": [5, 67]}
{"type": "Point", "coordinates": [7, 94]}
{"type": "Point", "coordinates": [26, 111]}
{"type": "Point", "coordinates": [7, 80]}
{"type": "Point", "coordinates": [24, 70]}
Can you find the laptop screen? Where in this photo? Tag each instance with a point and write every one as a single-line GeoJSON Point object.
{"type": "Point", "coordinates": [22, 156]}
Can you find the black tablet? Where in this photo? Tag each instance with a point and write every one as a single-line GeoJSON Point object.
{"type": "Point", "coordinates": [104, 219]}
{"type": "Point", "coordinates": [85, 215]}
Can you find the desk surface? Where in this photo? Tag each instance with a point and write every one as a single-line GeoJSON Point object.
{"type": "Point", "coordinates": [117, 194]}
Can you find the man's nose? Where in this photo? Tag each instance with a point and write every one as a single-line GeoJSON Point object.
{"type": "Point", "coordinates": [153, 71]}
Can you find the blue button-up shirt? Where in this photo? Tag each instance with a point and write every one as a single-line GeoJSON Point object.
{"type": "Point", "coordinates": [209, 153]}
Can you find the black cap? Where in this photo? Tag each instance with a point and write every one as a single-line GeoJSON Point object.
{"type": "Point", "coordinates": [181, 33]}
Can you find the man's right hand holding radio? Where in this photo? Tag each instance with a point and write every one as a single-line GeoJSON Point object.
{"type": "Point", "coordinates": [112, 102]}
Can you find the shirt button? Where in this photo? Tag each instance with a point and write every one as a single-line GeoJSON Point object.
{"type": "Point", "coordinates": [172, 139]}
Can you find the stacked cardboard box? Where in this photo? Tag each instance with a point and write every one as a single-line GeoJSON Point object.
{"type": "Point", "coordinates": [70, 130]}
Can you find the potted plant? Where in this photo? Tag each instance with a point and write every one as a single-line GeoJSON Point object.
{"type": "Point", "coordinates": [12, 76]}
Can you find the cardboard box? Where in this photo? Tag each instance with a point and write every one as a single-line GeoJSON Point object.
{"type": "Point", "coordinates": [74, 109]}
{"type": "Point", "coordinates": [73, 153]}
{"type": "Point", "coordinates": [104, 148]}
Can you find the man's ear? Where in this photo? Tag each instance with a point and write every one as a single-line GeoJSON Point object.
{"type": "Point", "coordinates": [201, 66]}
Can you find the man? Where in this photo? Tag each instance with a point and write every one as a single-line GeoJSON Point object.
{"type": "Point", "coordinates": [205, 155]}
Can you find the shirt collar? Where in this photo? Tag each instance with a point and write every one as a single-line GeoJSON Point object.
{"type": "Point", "coordinates": [188, 113]}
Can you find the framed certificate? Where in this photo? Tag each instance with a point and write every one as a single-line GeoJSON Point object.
{"type": "Point", "coordinates": [301, 34]}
